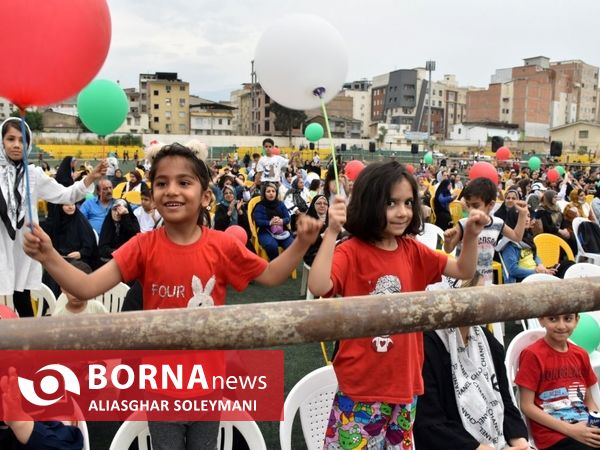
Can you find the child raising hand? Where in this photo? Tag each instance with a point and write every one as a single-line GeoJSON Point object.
{"type": "Point", "coordinates": [380, 377]}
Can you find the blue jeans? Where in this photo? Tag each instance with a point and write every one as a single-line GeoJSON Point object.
{"type": "Point", "coordinates": [271, 245]}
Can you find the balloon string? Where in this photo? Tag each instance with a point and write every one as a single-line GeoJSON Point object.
{"type": "Point", "coordinates": [26, 168]}
{"type": "Point", "coordinates": [335, 167]}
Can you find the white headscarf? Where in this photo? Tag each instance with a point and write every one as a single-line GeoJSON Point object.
{"type": "Point", "coordinates": [12, 184]}
{"type": "Point", "coordinates": [478, 397]}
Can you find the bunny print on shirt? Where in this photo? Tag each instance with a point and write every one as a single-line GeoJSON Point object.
{"type": "Point", "coordinates": [202, 295]}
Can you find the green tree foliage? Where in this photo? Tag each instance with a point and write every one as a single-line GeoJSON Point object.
{"type": "Point", "coordinates": [287, 119]}
{"type": "Point", "coordinates": [33, 119]}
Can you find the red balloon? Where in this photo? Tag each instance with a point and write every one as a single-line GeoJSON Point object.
{"type": "Point", "coordinates": [483, 169]}
{"type": "Point", "coordinates": [55, 48]}
{"type": "Point", "coordinates": [552, 175]}
{"type": "Point", "coordinates": [238, 232]}
{"type": "Point", "coordinates": [503, 153]}
{"type": "Point", "coordinates": [275, 151]}
{"type": "Point", "coordinates": [353, 169]}
{"type": "Point", "coordinates": [410, 168]}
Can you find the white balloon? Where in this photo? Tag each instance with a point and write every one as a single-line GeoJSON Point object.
{"type": "Point", "coordinates": [298, 54]}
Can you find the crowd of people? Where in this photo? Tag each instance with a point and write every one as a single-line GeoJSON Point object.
{"type": "Point", "coordinates": [445, 389]}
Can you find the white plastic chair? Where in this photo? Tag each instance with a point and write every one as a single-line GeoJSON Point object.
{"type": "Point", "coordinates": [581, 270]}
{"type": "Point", "coordinates": [44, 295]}
{"type": "Point", "coordinates": [132, 430]}
{"type": "Point", "coordinates": [313, 396]}
{"type": "Point", "coordinates": [430, 236]}
{"type": "Point", "coordinates": [525, 339]}
{"type": "Point", "coordinates": [534, 323]}
{"type": "Point", "coordinates": [113, 298]}
{"type": "Point", "coordinates": [581, 253]}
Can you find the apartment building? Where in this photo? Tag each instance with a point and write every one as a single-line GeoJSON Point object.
{"type": "Point", "coordinates": [241, 100]}
{"type": "Point", "coordinates": [136, 122]}
{"type": "Point", "coordinates": [360, 92]}
{"type": "Point", "coordinates": [538, 95]}
{"type": "Point", "coordinates": [210, 118]}
{"type": "Point", "coordinates": [166, 99]}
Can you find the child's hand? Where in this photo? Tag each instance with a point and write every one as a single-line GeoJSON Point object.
{"type": "Point", "coordinates": [307, 229]}
{"type": "Point", "coordinates": [450, 234]}
{"type": "Point", "coordinates": [521, 206]}
{"type": "Point", "coordinates": [100, 170]}
{"type": "Point", "coordinates": [337, 214]}
{"type": "Point", "coordinates": [37, 244]}
{"type": "Point", "coordinates": [477, 220]}
{"type": "Point", "coordinates": [11, 399]}
{"type": "Point", "coordinates": [586, 435]}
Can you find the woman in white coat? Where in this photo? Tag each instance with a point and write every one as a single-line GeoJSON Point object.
{"type": "Point", "coordinates": [18, 272]}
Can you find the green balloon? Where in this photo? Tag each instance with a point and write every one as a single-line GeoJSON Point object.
{"type": "Point", "coordinates": [587, 333]}
{"type": "Point", "coordinates": [313, 132]}
{"type": "Point", "coordinates": [428, 158]}
{"type": "Point", "coordinates": [534, 163]}
{"type": "Point", "coordinates": [561, 170]}
{"type": "Point", "coordinates": [102, 106]}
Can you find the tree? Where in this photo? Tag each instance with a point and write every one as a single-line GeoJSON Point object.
{"type": "Point", "coordinates": [33, 119]}
{"type": "Point", "coordinates": [287, 119]}
{"type": "Point", "coordinates": [382, 133]}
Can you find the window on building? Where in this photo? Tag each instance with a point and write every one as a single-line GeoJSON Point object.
{"type": "Point", "coordinates": [182, 88]}
{"type": "Point", "coordinates": [182, 127]}
{"type": "Point", "coordinates": [168, 128]}
{"type": "Point", "coordinates": [440, 93]}
{"type": "Point", "coordinates": [168, 101]}
{"type": "Point", "coordinates": [182, 102]}
{"type": "Point", "coordinates": [156, 120]}
{"type": "Point", "coordinates": [156, 106]}
{"type": "Point", "coordinates": [267, 126]}
{"type": "Point", "coordinates": [136, 121]}
{"type": "Point", "coordinates": [583, 134]}
{"type": "Point", "coordinates": [155, 92]}
{"type": "Point", "coordinates": [144, 109]}
{"type": "Point", "coordinates": [459, 131]}
{"type": "Point", "coordinates": [129, 121]}
{"type": "Point", "coordinates": [439, 103]}
{"type": "Point", "coordinates": [220, 121]}
{"type": "Point", "coordinates": [228, 121]}
{"type": "Point", "coordinates": [168, 115]}
{"type": "Point", "coordinates": [168, 88]}
{"type": "Point", "coordinates": [181, 115]}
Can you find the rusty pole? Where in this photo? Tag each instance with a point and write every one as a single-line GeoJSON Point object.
{"type": "Point", "coordinates": [293, 322]}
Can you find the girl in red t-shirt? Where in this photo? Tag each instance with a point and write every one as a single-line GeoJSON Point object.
{"type": "Point", "coordinates": [181, 264]}
{"type": "Point", "coordinates": [380, 377]}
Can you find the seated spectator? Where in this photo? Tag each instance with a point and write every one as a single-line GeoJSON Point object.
{"type": "Point", "coordinates": [520, 258]}
{"type": "Point", "coordinates": [577, 207]}
{"type": "Point", "coordinates": [441, 205]}
{"type": "Point", "coordinates": [296, 200]}
{"type": "Point", "coordinates": [554, 380]}
{"type": "Point", "coordinates": [228, 210]}
{"type": "Point", "coordinates": [147, 216]}
{"type": "Point", "coordinates": [74, 305]}
{"type": "Point", "coordinates": [596, 205]}
{"type": "Point", "coordinates": [26, 434]}
{"type": "Point", "coordinates": [511, 196]}
{"type": "Point", "coordinates": [552, 219]}
{"type": "Point", "coordinates": [135, 182]}
{"type": "Point", "coordinates": [73, 237]}
{"type": "Point", "coordinates": [118, 227]}
{"type": "Point", "coordinates": [272, 220]}
{"type": "Point", "coordinates": [118, 178]}
{"type": "Point", "coordinates": [467, 403]}
{"type": "Point", "coordinates": [318, 209]}
{"type": "Point", "coordinates": [96, 209]}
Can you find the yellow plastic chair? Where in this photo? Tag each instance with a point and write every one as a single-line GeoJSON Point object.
{"type": "Point", "coordinates": [260, 251]}
{"type": "Point", "coordinates": [456, 211]}
{"type": "Point", "coordinates": [548, 248]}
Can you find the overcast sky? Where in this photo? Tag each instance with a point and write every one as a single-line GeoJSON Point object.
{"type": "Point", "coordinates": [210, 43]}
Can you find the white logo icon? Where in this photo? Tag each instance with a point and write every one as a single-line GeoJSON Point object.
{"type": "Point", "coordinates": [49, 385]}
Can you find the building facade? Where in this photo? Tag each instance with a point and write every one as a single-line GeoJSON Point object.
{"type": "Point", "coordinates": [360, 92]}
{"type": "Point", "coordinates": [165, 98]}
{"type": "Point", "coordinates": [210, 118]}
{"type": "Point", "coordinates": [581, 137]}
{"type": "Point", "coordinates": [241, 99]}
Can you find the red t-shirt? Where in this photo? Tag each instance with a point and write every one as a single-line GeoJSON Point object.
{"type": "Point", "coordinates": [166, 270]}
{"type": "Point", "coordinates": [383, 368]}
{"type": "Point", "coordinates": [560, 381]}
